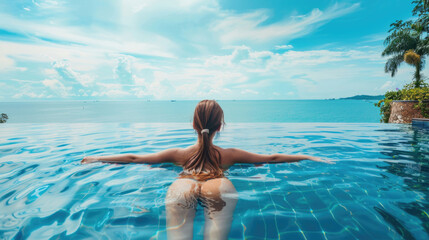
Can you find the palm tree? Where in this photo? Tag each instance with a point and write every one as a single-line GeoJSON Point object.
{"type": "Point", "coordinates": [409, 41]}
{"type": "Point", "coordinates": [406, 42]}
{"type": "Point", "coordinates": [426, 4]}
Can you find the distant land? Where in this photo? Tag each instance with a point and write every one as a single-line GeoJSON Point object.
{"type": "Point", "coordinates": [360, 97]}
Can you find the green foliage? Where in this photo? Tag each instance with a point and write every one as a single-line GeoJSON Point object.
{"type": "Point", "coordinates": [408, 93]}
{"type": "Point", "coordinates": [406, 36]}
{"type": "Point", "coordinates": [3, 118]}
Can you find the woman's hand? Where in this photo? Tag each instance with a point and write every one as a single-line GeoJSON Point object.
{"type": "Point", "coordinates": [317, 159]}
{"type": "Point", "coordinates": [88, 159]}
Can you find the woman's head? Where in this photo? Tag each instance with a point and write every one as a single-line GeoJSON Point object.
{"type": "Point", "coordinates": [208, 115]}
{"type": "Point", "coordinates": [206, 161]}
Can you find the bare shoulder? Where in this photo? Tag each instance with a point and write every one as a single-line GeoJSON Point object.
{"type": "Point", "coordinates": [183, 154]}
{"type": "Point", "coordinates": [228, 155]}
{"type": "Point", "coordinates": [233, 152]}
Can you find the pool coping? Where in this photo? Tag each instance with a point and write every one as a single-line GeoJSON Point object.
{"type": "Point", "coordinates": [421, 122]}
{"type": "Point", "coordinates": [409, 100]}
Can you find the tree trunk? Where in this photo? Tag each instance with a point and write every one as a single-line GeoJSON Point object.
{"type": "Point", "coordinates": [417, 76]}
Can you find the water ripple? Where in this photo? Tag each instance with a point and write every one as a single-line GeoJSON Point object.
{"type": "Point", "coordinates": [378, 188]}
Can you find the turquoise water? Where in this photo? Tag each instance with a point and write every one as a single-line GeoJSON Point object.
{"type": "Point", "coordinates": [182, 111]}
{"type": "Point", "coordinates": [377, 190]}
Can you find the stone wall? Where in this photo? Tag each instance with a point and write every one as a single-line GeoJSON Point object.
{"type": "Point", "coordinates": [403, 111]}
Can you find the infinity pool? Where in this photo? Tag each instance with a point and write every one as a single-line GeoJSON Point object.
{"type": "Point", "coordinates": [378, 189]}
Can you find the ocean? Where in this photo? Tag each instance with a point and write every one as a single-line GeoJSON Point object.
{"type": "Point", "coordinates": [249, 111]}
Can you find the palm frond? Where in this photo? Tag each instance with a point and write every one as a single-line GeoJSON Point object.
{"type": "Point", "coordinates": [423, 47]}
{"type": "Point", "coordinates": [393, 64]}
{"type": "Point", "coordinates": [399, 42]}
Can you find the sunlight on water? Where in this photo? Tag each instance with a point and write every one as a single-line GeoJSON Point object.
{"type": "Point", "coordinates": [377, 190]}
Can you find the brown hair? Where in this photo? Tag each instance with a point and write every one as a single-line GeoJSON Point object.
{"type": "Point", "coordinates": [206, 161]}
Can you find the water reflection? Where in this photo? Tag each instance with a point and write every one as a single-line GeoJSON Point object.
{"type": "Point", "coordinates": [410, 144]}
{"type": "Point", "coordinates": [217, 196]}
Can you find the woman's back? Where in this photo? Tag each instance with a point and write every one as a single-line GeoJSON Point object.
{"type": "Point", "coordinates": [202, 180]}
{"type": "Point", "coordinates": [183, 155]}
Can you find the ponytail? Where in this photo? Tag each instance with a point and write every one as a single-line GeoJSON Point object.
{"type": "Point", "coordinates": [206, 161]}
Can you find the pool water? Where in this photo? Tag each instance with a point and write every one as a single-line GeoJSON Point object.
{"type": "Point", "coordinates": [378, 188]}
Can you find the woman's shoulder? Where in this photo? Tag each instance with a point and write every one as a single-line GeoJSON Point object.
{"type": "Point", "coordinates": [183, 154]}
{"type": "Point", "coordinates": [228, 151]}
{"type": "Point", "coordinates": [227, 154]}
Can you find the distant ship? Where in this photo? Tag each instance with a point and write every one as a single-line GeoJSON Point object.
{"type": "Point", "coordinates": [172, 100]}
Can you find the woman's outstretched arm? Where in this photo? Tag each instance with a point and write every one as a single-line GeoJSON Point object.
{"type": "Point", "coordinates": [169, 155]}
{"type": "Point", "coordinates": [241, 156]}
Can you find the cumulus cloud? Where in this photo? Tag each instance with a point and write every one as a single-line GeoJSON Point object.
{"type": "Point", "coordinates": [122, 71]}
{"type": "Point", "coordinates": [27, 91]}
{"type": "Point", "coordinates": [57, 87]}
{"type": "Point", "coordinates": [71, 76]}
{"type": "Point", "coordinates": [127, 49]}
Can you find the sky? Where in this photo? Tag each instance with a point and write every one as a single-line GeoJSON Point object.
{"type": "Point", "coordinates": [196, 49]}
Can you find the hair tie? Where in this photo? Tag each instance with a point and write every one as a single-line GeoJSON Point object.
{"type": "Point", "coordinates": [205, 131]}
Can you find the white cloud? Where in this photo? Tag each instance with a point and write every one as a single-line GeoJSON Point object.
{"type": "Point", "coordinates": [6, 63]}
{"type": "Point", "coordinates": [70, 76]}
{"type": "Point", "coordinates": [27, 91]}
{"type": "Point", "coordinates": [57, 87]}
{"type": "Point", "coordinates": [21, 95]}
{"type": "Point", "coordinates": [139, 81]}
{"type": "Point", "coordinates": [145, 31]}
{"type": "Point", "coordinates": [115, 93]}
{"type": "Point", "coordinates": [388, 85]}
{"type": "Point", "coordinates": [143, 65]}
{"type": "Point", "coordinates": [248, 28]}
{"type": "Point", "coordinates": [247, 91]}
{"type": "Point", "coordinates": [46, 3]}
{"type": "Point", "coordinates": [141, 93]}
{"type": "Point", "coordinates": [283, 47]}
{"type": "Point", "coordinates": [129, 49]}
{"type": "Point", "coordinates": [122, 70]}
{"type": "Point", "coordinates": [82, 58]}
{"type": "Point", "coordinates": [155, 45]}
{"type": "Point", "coordinates": [379, 37]}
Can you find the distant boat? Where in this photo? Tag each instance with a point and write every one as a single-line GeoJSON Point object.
{"type": "Point", "coordinates": [172, 100]}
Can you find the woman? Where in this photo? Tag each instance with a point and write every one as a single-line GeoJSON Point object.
{"type": "Point", "coordinates": [202, 180]}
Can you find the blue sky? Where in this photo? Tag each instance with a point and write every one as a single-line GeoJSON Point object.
{"type": "Point", "coordinates": [196, 49]}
